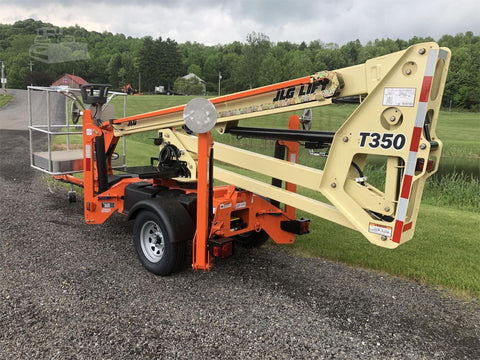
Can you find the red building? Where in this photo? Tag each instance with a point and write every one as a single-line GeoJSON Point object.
{"type": "Point", "coordinates": [72, 81]}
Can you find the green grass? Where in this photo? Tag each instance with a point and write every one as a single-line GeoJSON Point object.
{"type": "Point", "coordinates": [454, 190]}
{"type": "Point", "coordinates": [4, 100]}
{"type": "Point", "coordinates": [445, 250]}
{"type": "Point", "coordinates": [460, 133]}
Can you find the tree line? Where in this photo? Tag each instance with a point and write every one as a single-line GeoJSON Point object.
{"type": "Point", "coordinates": [147, 62]}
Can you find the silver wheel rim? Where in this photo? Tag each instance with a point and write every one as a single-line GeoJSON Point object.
{"type": "Point", "coordinates": [152, 241]}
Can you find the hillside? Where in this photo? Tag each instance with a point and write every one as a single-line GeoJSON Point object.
{"type": "Point", "coordinates": [147, 62]}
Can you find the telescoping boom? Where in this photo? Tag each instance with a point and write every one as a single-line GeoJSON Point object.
{"type": "Point", "coordinates": [173, 200]}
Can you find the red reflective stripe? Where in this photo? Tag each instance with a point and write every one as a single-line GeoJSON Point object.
{"type": "Point", "coordinates": [416, 136]}
{"type": "Point", "coordinates": [417, 133]}
{"type": "Point", "coordinates": [408, 226]}
{"type": "Point", "coordinates": [407, 184]}
{"type": "Point", "coordinates": [427, 83]}
{"type": "Point", "coordinates": [397, 231]}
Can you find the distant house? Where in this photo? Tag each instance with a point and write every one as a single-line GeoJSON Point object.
{"type": "Point", "coordinates": [193, 76]}
{"type": "Point", "coordinates": [71, 81]}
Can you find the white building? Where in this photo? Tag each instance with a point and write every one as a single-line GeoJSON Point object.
{"type": "Point", "coordinates": [193, 76]}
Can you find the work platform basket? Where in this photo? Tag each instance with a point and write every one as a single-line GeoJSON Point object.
{"type": "Point", "coordinates": [56, 142]}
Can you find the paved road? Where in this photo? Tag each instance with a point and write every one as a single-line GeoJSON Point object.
{"type": "Point", "coordinates": [69, 290]}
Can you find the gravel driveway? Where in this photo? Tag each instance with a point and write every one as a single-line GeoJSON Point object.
{"type": "Point", "coordinates": [74, 291]}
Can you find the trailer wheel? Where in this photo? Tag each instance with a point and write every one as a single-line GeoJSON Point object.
{"type": "Point", "coordinates": [155, 250]}
{"type": "Point", "coordinates": [252, 239]}
{"type": "Point", "coordinates": [72, 196]}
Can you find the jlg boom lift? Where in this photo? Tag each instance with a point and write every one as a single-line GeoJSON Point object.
{"type": "Point", "coordinates": [173, 200]}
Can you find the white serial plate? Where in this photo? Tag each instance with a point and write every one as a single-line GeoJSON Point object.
{"type": "Point", "coordinates": [399, 96]}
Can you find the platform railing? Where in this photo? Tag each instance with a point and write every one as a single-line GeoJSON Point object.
{"type": "Point", "coordinates": [50, 118]}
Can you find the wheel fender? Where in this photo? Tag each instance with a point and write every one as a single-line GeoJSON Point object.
{"type": "Point", "coordinates": [175, 217]}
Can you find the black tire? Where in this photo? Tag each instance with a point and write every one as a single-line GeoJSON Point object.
{"type": "Point", "coordinates": [155, 249]}
{"type": "Point", "coordinates": [252, 239]}
{"type": "Point", "coordinates": [72, 196]}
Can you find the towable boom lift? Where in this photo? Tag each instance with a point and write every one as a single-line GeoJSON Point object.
{"type": "Point", "coordinates": [174, 201]}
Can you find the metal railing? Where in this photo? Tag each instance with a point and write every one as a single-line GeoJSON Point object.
{"type": "Point", "coordinates": [50, 117]}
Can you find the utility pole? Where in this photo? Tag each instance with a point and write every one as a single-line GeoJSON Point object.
{"type": "Point", "coordinates": [30, 65]}
{"type": "Point", "coordinates": [219, 78]}
{"type": "Point", "coordinates": [4, 80]}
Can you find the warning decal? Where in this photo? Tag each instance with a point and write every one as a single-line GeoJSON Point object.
{"type": "Point", "coordinates": [380, 229]}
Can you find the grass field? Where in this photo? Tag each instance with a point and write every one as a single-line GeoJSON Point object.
{"type": "Point", "coordinates": [445, 250]}
{"type": "Point", "coordinates": [460, 132]}
{"type": "Point", "coordinates": [4, 100]}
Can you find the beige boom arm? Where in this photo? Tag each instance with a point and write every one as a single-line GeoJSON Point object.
{"type": "Point", "coordinates": [395, 124]}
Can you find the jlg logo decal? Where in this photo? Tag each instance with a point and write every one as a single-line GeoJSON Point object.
{"type": "Point", "coordinates": [385, 140]}
{"type": "Point", "coordinates": [302, 90]}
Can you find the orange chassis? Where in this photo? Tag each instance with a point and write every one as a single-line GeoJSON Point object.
{"type": "Point", "coordinates": [222, 212]}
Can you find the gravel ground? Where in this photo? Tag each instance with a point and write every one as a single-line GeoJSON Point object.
{"type": "Point", "coordinates": [74, 291]}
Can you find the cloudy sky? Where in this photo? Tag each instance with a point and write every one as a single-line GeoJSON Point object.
{"type": "Point", "coordinates": [213, 22]}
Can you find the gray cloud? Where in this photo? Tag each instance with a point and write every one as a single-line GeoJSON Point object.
{"type": "Point", "coordinates": [212, 21]}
